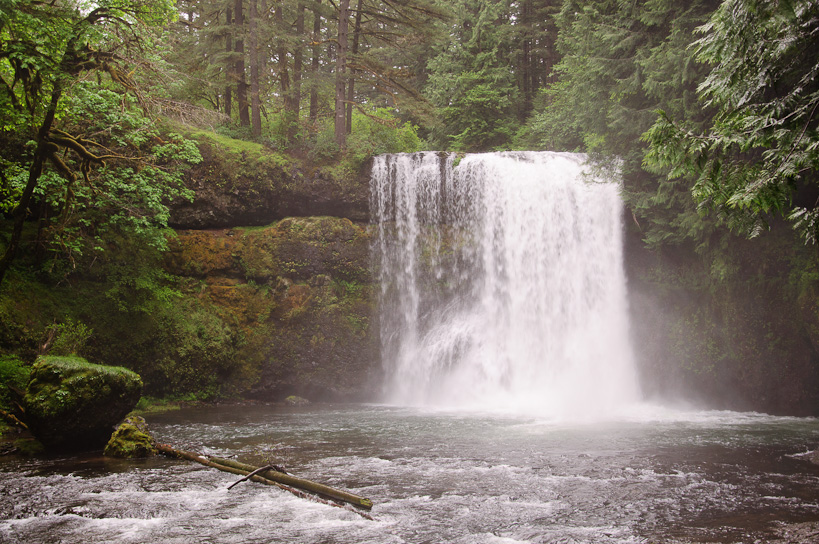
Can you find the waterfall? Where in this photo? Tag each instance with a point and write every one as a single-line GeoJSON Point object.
{"type": "Point", "coordinates": [502, 283]}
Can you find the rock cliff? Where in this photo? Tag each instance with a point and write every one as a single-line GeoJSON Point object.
{"type": "Point", "coordinates": [280, 251]}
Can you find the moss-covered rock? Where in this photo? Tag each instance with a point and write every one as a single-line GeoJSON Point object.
{"type": "Point", "coordinates": [304, 247]}
{"type": "Point", "coordinates": [72, 404]}
{"type": "Point", "coordinates": [131, 439]}
{"type": "Point", "coordinates": [295, 400]}
{"type": "Point", "coordinates": [244, 183]}
{"type": "Point", "coordinates": [299, 292]}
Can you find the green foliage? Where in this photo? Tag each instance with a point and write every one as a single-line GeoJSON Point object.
{"type": "Point", "coordinates": [14, 375]}
{"type": "Point", "coordinates": [96, 162]}
{"type": "Point", "coordinates": [471, 81]}
{"type": "Point", "coordinates": [621, 62]}
{"type": "Point", "coordinates": [197, 349]}
{"type": "Point", "coordinates": [374, 132]}
{"type": "Point", "coordinates": [380, 132]}
{"type": "Point", "coordinates": [762, 146]}
{"type": "Point", "coordinates": [69, 337]}
{"type": "Point", "coordinates": [325, 148]}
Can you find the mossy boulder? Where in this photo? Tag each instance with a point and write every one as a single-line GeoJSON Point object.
{"type": "Point", "coordinates": [131, 439]}
{"type": "Point", "coordinates": [72, 404]}
{"type": "Point", "coordinates": [294, 400]}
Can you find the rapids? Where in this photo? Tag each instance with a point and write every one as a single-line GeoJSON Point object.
{"type": "Point", "coordinates": [435, 476]}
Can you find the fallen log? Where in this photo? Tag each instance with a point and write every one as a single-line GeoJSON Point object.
{"type": "Point", "coordinates": [260, 475]}
{"type": "Point", "coordinates": [300, 483]}
{"type": "Point", "coordinates": [12, 419]}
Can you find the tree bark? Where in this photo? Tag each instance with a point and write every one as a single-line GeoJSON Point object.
{"type": "Point", "coordinates": [255, 69]}
{"type": "Point", "coordinates": [230, 67]}
{"type": "Point", "coordinates": [239, 66]}
{"type": "Point", "coordinates": [354, 51]}
{"type": "Point", "coordinates": [281, 480]}
{"type": "Point", "coordinates": [341, 69]}
{"type": "Point", "coordinates": [298, 60]}
{"type": "Point", "coordinates": [281, 54]}
{"type": "Point", "coordinates": [314, 67]}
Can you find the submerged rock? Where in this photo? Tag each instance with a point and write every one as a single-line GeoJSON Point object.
{"type": "Point", "coordinates": [72, 404]}
{"type": "Point", "coordinates": [131, 439]}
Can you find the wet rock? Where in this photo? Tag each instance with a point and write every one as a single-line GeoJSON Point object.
{"type": "Point", "coordinates": [294, 400]}
{"type": "Point", "coordinates": [299, 291]}
{"type": "Point", "coordinates": [241, 183]}
{"type": "Point", "coordinates": [72, 404]}
{"type": "Point", "coordinates": [131, 439]}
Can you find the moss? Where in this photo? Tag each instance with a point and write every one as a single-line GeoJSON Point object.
{"type": "Point", "coordinates": [304, 247]}
{"type": "Point", "coordinates": [200, 253]}
{"type": "Point", "coordinates": [131, 439]}
{"type": "Point", "coordinates": [14, 375]}
{"type": "Point", "coordinates": [29, 447]}
{"type": "Point", "coordinates": [241, 150]}
{"type": "Point", "coordinates": [71, 403]}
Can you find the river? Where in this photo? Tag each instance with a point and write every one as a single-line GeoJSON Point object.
{"type": "Point", "coordinates": [646, 475]}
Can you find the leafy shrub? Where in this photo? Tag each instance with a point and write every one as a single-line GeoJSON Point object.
{"type": "Point", "coordinates": [68, 338]}
{"type": "Point", "coordinates": [380, 132]}
{"type": "Point", "coordinates": [14, 375]}
{"type": "Point", "coordinates": [325, 148]}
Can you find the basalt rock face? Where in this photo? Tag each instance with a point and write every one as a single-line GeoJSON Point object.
{"type": "Point", "coordinates": [278, 251]}
{"type": "Point", "coordinates": [300, 292]}
{"type": "Point", "coordinates": [740, 333]}
{"type": "Point", "coordinates": [74, 405]}
{"type": "Point", "coordinates": [253, 188]}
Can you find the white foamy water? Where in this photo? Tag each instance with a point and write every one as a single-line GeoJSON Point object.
{"type": "Point", "coordinates": [434, 476]}
{"type": "Point", "coordinates": [502, 283]}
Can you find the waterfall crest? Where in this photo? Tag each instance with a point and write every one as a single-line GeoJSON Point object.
{"type": "Point", "coordinates": [502, 283]}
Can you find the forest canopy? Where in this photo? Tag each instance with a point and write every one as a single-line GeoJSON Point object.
{"type": "Point", "coordinates": [709, 107]}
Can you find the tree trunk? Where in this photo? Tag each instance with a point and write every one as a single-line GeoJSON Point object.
{"type": "Point", "coordinates": [314, 67]}
{"type": "Point", "coordinates": [341, 68]}
{"type": "Point", "coordinates": [270, 476]}
{"type": "Point", "coordinates": [230, 67]}
{"type": "Point", "coordinates": [300, 483]}
{"type": "Point", "coordinates": [527, 89]}
{"type": "Point", "coordinates": [354, 51]}
{"type": "Point", "coordinates": [255, 69]}
{"type": "Point", "coordinates": [298, 60]}
{"type": "Point", "coordinates": [21, 209]}
{"type": "Point", "coordinates": [239, 67]}
{"type": "Point", "coordinates": [281, 54]}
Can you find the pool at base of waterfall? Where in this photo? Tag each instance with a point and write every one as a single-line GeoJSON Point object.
{"type": "Point", "coordinates": [646, 474]}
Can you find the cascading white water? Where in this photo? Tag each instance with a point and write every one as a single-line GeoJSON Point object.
{"type": "Point", "coordinates": [502, 283]}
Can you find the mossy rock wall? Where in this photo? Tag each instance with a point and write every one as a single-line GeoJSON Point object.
{"type": "Point", "coordinates": [242, 183]}
{"type": "Point", "coordinates": [300, 294]}
{"type": "Point", "coordinates": [734, 329]}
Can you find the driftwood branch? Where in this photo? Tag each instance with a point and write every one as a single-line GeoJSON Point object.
{"type": "Point", "coordinates": [12, 419]}
{"type": "Point", "coordinates": [268, 475]}
{"type": "Point", "coordinates": [300, 483]}
{"type": "Point", "coordinates": [249, 476]}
